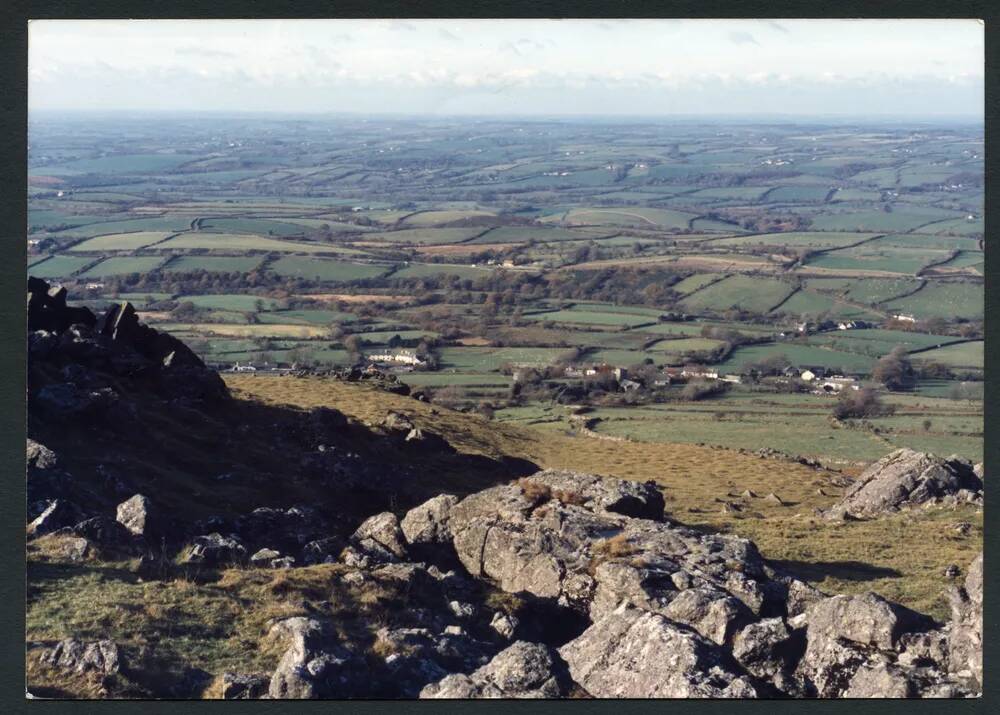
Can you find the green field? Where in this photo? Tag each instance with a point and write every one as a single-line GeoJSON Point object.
{"type": "Point", "coordinates": [795, 239]}
{"type": "Point", "coordinates": [223, 301]}
{"type": "Point", "coordinates": [786, 194]}
{"type": "Point", "coordinates": [122, 241]}
{"type": "Point", "coordinates": [123, 266]}
{"type": "Point", "coordinates": [523, 234]}
{"type": "Point", "coordinates": [59, 266]}
{"type": "Point", "coordinates": [876, 343]}
{"type": "Point", "coordinates": [245, 242]}
{"type": "Point", "coordinates": [944, 300]}
{"type": "Point", "coordinates": [897, 220]}
{"type": "Point", "coordinates": [124, 164]}
{"type": "Point", "coordinates": [433, 218]}
{"type": "Point", "coordinates": [213, 264]}
{"type": "Point", "coordinates": [259, 226]}
{"type": "Point", "coordinates": [958, 356]}
{"type": "Point", "coordinates": [683, 345]}
{"type": "Point", "coordinates": [695, 282]}
{"type": "Point", "coordinates": [325, 270]}
{"type": "Point", "coordinates": [586, 317]}
{"type": "Point", "coordinates": [798, 354]}
{"type": "Point", "coordinates": [426, 236]}
{"type": "Point", "coordinates": [477, 359]}
{"type": "Point", "coordinates": [808, 303]}
{"type": "Point", "coordinates": [130, 225]}
{"type": "Point", "coordinates": [758, 295]}
{"type": "Point", "coordinates": [305, 317]}
{"type": "Point", "coordinates": [631, 216]}
{"type": "Point", "coordinates": [869, 291]}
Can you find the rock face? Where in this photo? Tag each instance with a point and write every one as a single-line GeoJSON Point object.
{"type": "Point", "coordinates": [115, 343]}
{"type": "Point", "coordinates": [680, 613]}
{"type": "Point", "coordinates": [632, 653]}
{"type": "Point", "coordinates": [524, 670]}
{"type": "Point", "coordinates": [966, 637]}
{"type": "Point", "coordinates": [906, 478]}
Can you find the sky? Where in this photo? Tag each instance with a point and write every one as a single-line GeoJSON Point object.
{"type": "Point", "coordinates": [898, 68]}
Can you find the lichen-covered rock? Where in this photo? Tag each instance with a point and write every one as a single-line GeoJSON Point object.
{"type": "Point", "coordinates": [847, 633]}
{"type": "Point", "coordinates": [553, 540]}
{"type": "Point", "coordinates": [524, 670]}
{"type": "Point", "coordinates": [966, 635]}
{"type": "Point", "coordinates": [631, 653]}
{"type": "Point", "coordinates": [383, 529]}
{"type": "Point", "coordinates": [764, 648]}
{"type": "Point", "coordinates": [905, 478]}
{"type": "Point", "coordinates": [57, 515]}
{"type": "Point", "coordinates": [428, 523]}
{"type": "Point", "coordinates": [135, 515]}
{"type": "Point", "coordinates": [72, 654]}
{"type": "Point", "coordinates": [39, 456]}
{"type": "Point", "coordinates": [215, 550]}
{"type": "Point", "coordinates": [244, 686]}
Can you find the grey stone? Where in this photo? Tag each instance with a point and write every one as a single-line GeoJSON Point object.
{"type": "Point", "coordinates": [902, 479]}
{"type": "Point", "coordinates": [428, 523]}
{"type": "Point", "coordinates": [632, 653]}
{"type": "Point", "coordinates": [523, 670]}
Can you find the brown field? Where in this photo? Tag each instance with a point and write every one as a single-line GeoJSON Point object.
{"type": "Point", "coordinates": [275, 330]}
{"type": "Point", "coordinates": [359, 298]}
{"type": "Point", "coordinates": [902, 557]}
{"type": "Point", "coordinates": [461, 249]}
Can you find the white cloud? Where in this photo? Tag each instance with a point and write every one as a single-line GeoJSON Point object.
{"type": "Point", "coordinates": [400, 59]}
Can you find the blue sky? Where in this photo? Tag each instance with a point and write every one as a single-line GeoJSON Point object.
{"type": "Point", "coordinates": [516, 67]}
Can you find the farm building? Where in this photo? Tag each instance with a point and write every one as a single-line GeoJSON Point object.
{"type": "Point", "coordinates": [836, 384]}
{"type": "Point", "coordinates": [404, 357]}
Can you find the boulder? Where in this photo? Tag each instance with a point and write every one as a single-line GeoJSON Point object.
{"type": "Point", "coordinates": [382, 529]}
{"type": "Point", "coordinates": [215, 550]}
{"type": "Point", "coordinates": [39, 456]}
{"type": "Point", "coordinates": [428, 523]}
{"type": "Point", "coordinates": [134, 515]}
{"type": "Point", "coordinates": [902, 479]}
{"type": "Point", "coordinates": [504, 624]}
{"type": "Point", "coordinates": [540, 537]}
{"type": "Point", "coordinates": [104, 531]}
{"type": "Point", "coordinates": [867, 620]}
{"type": "Point", "coordinates": [57, 515]}
{"type": "Point", "coordinates": [323, 551]}
{"type": "Point", "coordinates": [524, 670]}
{"type": "Point", "coordinates": [398, 423]}
{"type": "Point", "coordinates": [71, 654]}
{"type": "Point", "coordinates": [65, 400]}
{"type": "Point", "coordinates": [264, 557]}
{"type": "Point", "coordinates": [763, 648]}
{"type": "Point", "coordinates": [632, 653]}
{"type": "Point", "coordinates": [710, 612]}
{"type": "Point", "coordinates": [313, 664]}
{"type": "Point", "coordinates": [848, 633]}
{"type": "Point", "coordinates": [244, 686]}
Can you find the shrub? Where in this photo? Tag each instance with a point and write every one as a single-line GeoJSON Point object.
{"type": "Point", "coordinates": [854, 404]}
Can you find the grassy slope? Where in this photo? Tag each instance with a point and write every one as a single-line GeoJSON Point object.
{"type": "Point", "coordinates": [901, 557]}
